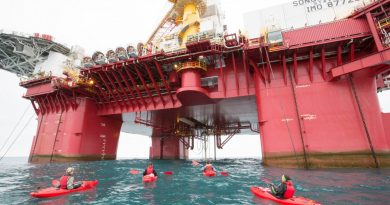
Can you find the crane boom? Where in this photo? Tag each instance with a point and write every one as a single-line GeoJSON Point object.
{"type": "Point", "coordinates": [157, 32]}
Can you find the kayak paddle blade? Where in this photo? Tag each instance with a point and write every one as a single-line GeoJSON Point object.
{"type": "Point", "coordinates": [134, 171]}
{"type": "Point", "coordinates": [55, 183]}
{"type": "Point", "coordinates": [225, 174]}
{"type": "Point", "coordinates": [266, 181]}
{"type": "Point", "coordinates": [168, 173]}
{"type": "Point", "coordinates": [195, 163]}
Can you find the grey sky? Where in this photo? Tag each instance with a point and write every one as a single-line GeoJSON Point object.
{"type": "Point", "coordinates": [100, 25]}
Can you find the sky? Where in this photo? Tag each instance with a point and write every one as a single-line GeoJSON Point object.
{"type": "Point", "coordinates": [102, 25]}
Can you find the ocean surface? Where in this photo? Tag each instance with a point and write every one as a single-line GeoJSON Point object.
{"type": "Point", "coordinates": [187, 185]}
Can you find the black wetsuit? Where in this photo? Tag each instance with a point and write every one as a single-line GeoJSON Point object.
{"type": "Point", "coordinates": [279, 190]}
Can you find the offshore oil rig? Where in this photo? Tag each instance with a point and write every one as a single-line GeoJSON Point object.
{"type": "Point", "coordinates": [310, 92]}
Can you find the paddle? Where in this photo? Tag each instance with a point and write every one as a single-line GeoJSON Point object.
{"type": "Point", "coordinates": [133, 171]}
{"type": "Point", "coordinates": [195, 163]}
{"type": "Point", "coordinates": [225, 174]}
{"type": "Point", "coordinates": [266, 181]}
{"type": "Point", "coordinates": [168, 173]}
{"type": "Point", "coordinates": [55, 183]}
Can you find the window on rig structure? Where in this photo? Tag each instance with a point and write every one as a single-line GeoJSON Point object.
{"type": "Point", "coordinates": [209, 81]}
{"type": "Point", "coordinates": [275, 38]}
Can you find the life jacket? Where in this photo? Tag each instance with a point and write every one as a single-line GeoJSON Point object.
{"type": "Point", "coordinates": [208, 168]}
{"type": "Point", "coordinates": [289, 190]}
{"type": "Point", "coordinates": [149, 170]}
{"type": "Point", "coordinates": [64, 182]}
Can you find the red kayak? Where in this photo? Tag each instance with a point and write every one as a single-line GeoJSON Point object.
{"type": "Point", "coordinates": [52, 191]}
{"type": "Point", "coordinates": [148, 178]}
{"type": "Point", "coordinates": [209, 174]}
{"type": "Point", "coordinates": [264, 193]}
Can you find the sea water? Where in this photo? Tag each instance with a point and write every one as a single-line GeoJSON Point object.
{"type": "Point", "coordinates": [187, 185]}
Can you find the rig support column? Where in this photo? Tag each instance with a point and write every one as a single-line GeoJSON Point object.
{"type": "Point", "coordinates": [329, 130]}
{"type": "Point", "coordinates": [167, 148]}
{"type": "Point", "coordinates": [76, 134]}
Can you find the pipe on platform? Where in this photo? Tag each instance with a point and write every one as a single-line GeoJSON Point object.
{"type": "Point", "coordinates": [55, 139]}
{"type": "Point", "coordinates": [363, 120]}
{"type": "Point", "coordinates": [298, 118]}
{"type": "Point", "coordinates": [374, 31]}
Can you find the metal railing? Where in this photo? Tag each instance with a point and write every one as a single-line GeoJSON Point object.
{"type": "Point", "coordinates": [191, 65]}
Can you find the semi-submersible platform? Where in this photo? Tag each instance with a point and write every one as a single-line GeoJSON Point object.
{"type": "Point", "coordinates": [310, 93]}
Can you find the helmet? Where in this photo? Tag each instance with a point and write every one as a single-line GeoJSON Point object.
{"type": "Point", "coordinates": [285, 178]}
{"type": "Point", "coordinates": [69, 170]}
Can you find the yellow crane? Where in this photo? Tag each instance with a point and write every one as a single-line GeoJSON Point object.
{"type": "Point", "coordinates": [183, 12]}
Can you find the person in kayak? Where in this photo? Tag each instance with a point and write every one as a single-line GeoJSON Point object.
{"type": "Point", "coordinates": [66, 181]}
{"type": "Point", "coordinates": [208, 167]}
{"type": "Point", "coordinates": [285, 190]}
{"type": "Point", "coordinates": [150, 170]}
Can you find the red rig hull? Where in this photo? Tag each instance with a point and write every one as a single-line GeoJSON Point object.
{"type": "Point", "coordinates": [312, 101]}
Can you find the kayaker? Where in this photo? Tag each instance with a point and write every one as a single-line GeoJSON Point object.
{"type": "Point", "coordinates": [150, 170]}
{"type": "Point", "coordinates": [66, 181]}
{"type": "Point", "coordinates": [285, 190]}
{"type": "Point", "coordinates": [208, 167]}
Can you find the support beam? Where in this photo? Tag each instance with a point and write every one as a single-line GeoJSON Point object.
{"type": "Point", "coordinates": [311, 64]}
{"type": "Point", "coordinates": [103, 92]}
{"type": "Point", "coordinates": [339, 55]}
{"type": "Point", "coordinates": [51, 109]}
{"type": "Point", "coordinates": [34, 106]}
{"type": "Point", "coordinates": [64, 101]}
{"type": "Point", "coordinates": [295, 66]}
{"type": "Point", "coordinates": [62, 108]}
{"type": "Point", "coordinates": [164, 81]}
{"type": "Point", "coordinates": [257, 69]}
{"type": "Point", "coordinates": [374, 31]}
{"type": "Point", "coordinates": [284, 65]}
{"type": "Point", "coordinates": [145, 85]}
{"type": "Point", "coordinates": [352, 52]}
{"type": "Point", "coordinates": [42, 105]}
{"type": "Point", "coordinates": [129, 88]}
{"type": "Point", "coordinates": [235, 74]}
{"type": "Point", "coordinates": [323, 63]}
{"type": "Point", "coordinates": [154, 84]}
{"type": "Point", "coordinates": [269, 66]}
{"type": "Point", "coordinates": [126, 97]}
{"type": "Point", "coordinates": [108, 87]}
{"type": "Point", "coordinates": [135, 86]}
{"type": "Point", "coordinates": [376, 59]}
{"type": "Point", "coordinates": [115, 88]}
{"type": "Point", "coordinates": [222, 76]}
{"type": "Point", "coordinates": [244, 59]}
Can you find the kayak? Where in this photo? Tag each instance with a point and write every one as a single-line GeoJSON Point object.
{"type": "Point", "coordinates": [53, 191]}
{"type": "Point", "coordinates": [264, 193]}
{"type": "Point", "coordinates": [148, 178]}
{"type": "Point", "coordinates": [209, 174]}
